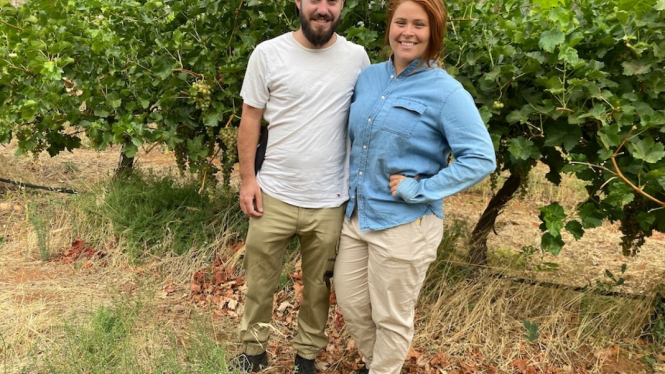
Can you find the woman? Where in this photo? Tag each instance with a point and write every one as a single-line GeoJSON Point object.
{"type": "Point", "coordinates": [407, 116]}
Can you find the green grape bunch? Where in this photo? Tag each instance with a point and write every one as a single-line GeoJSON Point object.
{"type": "Point", "coordinates": [634, 226]}
{"type": "Point", "coordinates": [229, 137]}
{"type": "Point", "coordinates": [210, 131]}
{"type": "Point", "coordinates": [181, 151]}
{"type": "Point", "coordinates": [201, 94]}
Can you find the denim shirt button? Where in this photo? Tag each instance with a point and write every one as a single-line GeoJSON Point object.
{"type": "Point", "coordinates": [369, 120]}
{"type": "Point", "coordinates": [383, 97]}
{"type": "Point", "coordinates": [392, 76]}
{"type": "Point", "coordinates": [364, 147]}
{"type": "Point", "coordinates": [360, 173]}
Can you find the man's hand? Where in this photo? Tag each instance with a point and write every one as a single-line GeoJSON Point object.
{"type": "Point", "coordinates": [250, 198]}
{"type": "Point", "coordinates": [395, 180]}
{"type": "Point", "coordinates": [248, 137]}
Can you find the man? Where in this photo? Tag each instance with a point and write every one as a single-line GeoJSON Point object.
{"type": "Point", "coordinates": [301, 83]}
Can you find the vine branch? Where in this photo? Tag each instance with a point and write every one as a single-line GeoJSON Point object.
{"type": "Point", "coordinates": [21, 69]}
{"type": "Point", "coordinates": [235, 22]}
{"type": "Point", "coordinates": [196, 75]}
{"type": "Point", "coordinates": [634, 187]}
{"type": "Point", "coordinates": [624, 178]}
{"type": "Point", "coordinates": [230, 119]}
{"type": "Point", "coordinates": [10, 25]}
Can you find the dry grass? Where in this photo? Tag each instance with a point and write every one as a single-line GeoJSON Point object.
{"type": "Point", "coordinates": [476, 319]}
{"type": "Point", "coordinates": [481, 319]}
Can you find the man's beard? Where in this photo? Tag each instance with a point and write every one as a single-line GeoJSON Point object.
{"type": "Point", "coordinates": [318, 37]}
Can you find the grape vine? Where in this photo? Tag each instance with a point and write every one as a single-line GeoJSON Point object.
{"type": "Point", "coordinates": [577, 87]}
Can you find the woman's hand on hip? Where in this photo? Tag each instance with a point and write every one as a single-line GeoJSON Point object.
{"type": "Point", "coordinates": [395, 180]}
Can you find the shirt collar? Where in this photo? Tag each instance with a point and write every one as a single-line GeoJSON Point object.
{"type": "Point", "coordinates": [412, 68]}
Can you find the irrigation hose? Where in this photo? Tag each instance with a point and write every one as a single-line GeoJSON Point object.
{"type": "Point", "coordinates": [30, 185]}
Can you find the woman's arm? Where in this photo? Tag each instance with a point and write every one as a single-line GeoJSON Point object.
{"type": "Point", "coordinates": [471, 146]}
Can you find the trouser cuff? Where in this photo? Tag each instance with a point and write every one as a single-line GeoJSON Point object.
{"type": "Point", "coordinates": [253, 349]}
{"type": "Point", "coordinates": [308, 356]}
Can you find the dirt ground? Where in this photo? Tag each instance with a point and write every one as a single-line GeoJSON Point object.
{"type": "Point", "coordinates": [39, 290]}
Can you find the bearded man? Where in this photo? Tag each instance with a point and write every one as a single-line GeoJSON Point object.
{"type": "Point", "coordinates": [301, 83]}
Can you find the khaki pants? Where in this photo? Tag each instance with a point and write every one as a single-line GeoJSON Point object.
{"type": "Point", "coordinates": [378, 276]}
{"type": "Point", "coordinates": [318, 231]}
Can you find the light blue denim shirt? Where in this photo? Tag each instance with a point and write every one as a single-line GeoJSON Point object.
{"type": "Point", "coordinates": [409, 124]}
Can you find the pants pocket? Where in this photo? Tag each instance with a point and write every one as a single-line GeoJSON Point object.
{"type": "Point", "coordinates": [405, 242]}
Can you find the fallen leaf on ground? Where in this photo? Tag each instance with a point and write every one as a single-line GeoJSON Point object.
{"type": "Point", "coordinates": [283, 306]}
{"type": "Point", "coordinates": [412, 354]}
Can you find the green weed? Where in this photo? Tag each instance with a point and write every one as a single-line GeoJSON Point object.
{"type": "Point", "coordinates": [531, 329]}
{"type": "Point", "coordinates": [42, 230]}
{"type": "Point", "coordinates": [292, 255]}
{"type": "Point", "coordinates": [97, 344]}
{"type": "Point", "coordinates": [70, 167]}
{"type": "Point", "coordinates": [508, 258]}
{"type": "Point", "coordinates": [157, 215]}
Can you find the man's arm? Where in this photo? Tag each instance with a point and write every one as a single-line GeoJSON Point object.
{"type": "Point", "coordinates": [248, 137]}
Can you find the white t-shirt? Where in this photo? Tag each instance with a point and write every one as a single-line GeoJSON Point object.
{"type": "Point", "coordinates": [306, 95]}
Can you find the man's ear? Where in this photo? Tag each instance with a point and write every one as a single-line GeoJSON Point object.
{"type": "Point", "coordinates": [297, 7]}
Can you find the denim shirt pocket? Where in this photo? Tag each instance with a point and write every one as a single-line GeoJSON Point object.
{"type": "Point", "coordinates": [403, 117]}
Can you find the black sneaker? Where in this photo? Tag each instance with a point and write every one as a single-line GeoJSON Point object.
{"type": "Point", "coordinates": [304, 366]}
{"type": "Point", "coordinates": [363, 371]}
{"type": "Point", "coordinates": [245, 364]}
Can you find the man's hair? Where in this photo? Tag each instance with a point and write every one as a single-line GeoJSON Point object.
{"type": "Point", "coordinates": [437, 17]}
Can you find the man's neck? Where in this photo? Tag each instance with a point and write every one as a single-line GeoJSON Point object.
{"type": "Point", "coordinates": [300, 38]}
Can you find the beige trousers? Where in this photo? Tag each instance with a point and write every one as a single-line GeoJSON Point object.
{"type": "Point", "coordinates": [318, 232]}
{"type": "Point", "coordinates": [378, 276]}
